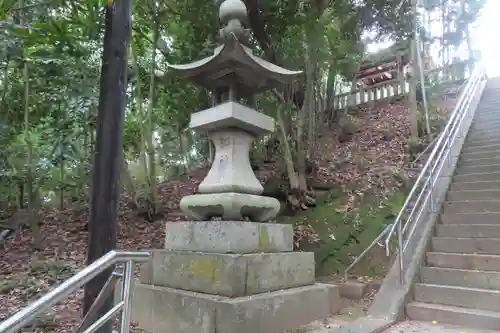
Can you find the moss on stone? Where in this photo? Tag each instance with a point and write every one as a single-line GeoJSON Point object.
{"type": "Point", "coordinates": [264, 242]}
{"type": "Point", "coordinates": [205, 268]}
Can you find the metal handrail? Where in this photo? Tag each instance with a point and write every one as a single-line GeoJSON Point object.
{"type": "Point", "coordinates": [361, 256]}
{"type": "Point", "coordinates": [25, 316]}
{"type": "Point", "coordinates": [422, 193]}
{"type": "Point", "coordinates": [388, 228]}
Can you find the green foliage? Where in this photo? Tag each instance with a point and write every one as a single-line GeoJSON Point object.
{"type": "Point", "coordinates": [348, 125]}
{"type": "Point", "coordinates": [399, 48]}
{"type": "Point", "coordinates": [53, 270]}
{"type": "Point", "coordinates": [343, 234]}
{"type": "Point", "coordinates": [60, 42]}
{"type": "Point", "coordinates": [415, 146]}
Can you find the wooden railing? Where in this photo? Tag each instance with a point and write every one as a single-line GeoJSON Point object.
{"type": "Point", "coordinates": [400, 87]}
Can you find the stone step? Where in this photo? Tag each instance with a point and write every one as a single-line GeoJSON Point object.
{"type": "Point", "coordinates": [461, 170]}
{"type": "Point", "coordinates": [474, 185]}
{"type": "Point", "coordinates": [468, 230]}
{"type": "Point", "coordinates": [484, 131]}
{"type": "Point", "coordinates": [475, 298]}
{"type": "Point", "coordinates": [484, 262]}
{"type": "Point", "coordinates": [488, 320]}
{"type": "Point", "coordinates": [491, 113]}
{"type": "Point", "coordinates": [470, 141]}
{"type": "Point", "coordinates": [460, 277]}
{"type": "Point", "coordinates": [485, 123]}
{"type": "Point", "coordinates": [470, 218]}
{"type": "Point", "coordinates": [485, 148]}
{"type": "Point", "coordinates": [487, 111]}
{"type": "Point", "coordinates": [477, 177]}
{"type": "Point", "coordinates": [466, 245]}
{"type": "Point", "coordinates": [481, 136]}
{"type": "Point", "coordinates": [485, 127]}
{"type": "Point", "coordinates": [471, 162]}
{"type": "Point", "coordinates": [481, 143]}
{"type": "Point", "coordinates": [484, 116]}
{"type": "Point", "coordinates": [480, 154]}
{"type": "Point", "coordinates": [463, 195]}
{"type": "Point", "coordinates": [471, 206]}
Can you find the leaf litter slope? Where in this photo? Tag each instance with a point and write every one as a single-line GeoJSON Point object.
{"type": "Point", "coordinates": [26, 274]}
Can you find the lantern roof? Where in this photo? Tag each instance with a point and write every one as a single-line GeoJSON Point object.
{"type": "Point", "coordinates": [233, 62]}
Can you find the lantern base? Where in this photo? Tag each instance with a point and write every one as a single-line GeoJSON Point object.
{"type": "Point", "coordinates": [229, 206]}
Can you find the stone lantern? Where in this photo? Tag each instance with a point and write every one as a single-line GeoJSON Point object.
{"type": "Point", "coordinates": [238, 273]}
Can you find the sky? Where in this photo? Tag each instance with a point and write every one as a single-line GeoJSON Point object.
{"type": "Point", "coordinates": [483, 34]}
{"type": "Point", "coordinates": [486, 37]}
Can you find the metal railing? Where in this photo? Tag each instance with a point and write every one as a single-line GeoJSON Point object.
{"type": "Point", "coordinates": [30, 313]}
{"type": "Point", "coordinates": [421, 194]}
{"type": "Point", "coordinates": [368, 249]}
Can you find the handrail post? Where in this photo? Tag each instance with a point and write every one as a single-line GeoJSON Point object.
{"type": "Point", "coordinates": [401, 254]}
{"type": "Point", "coordinates": [431, 195]}
{"type": "Point", "coordinates": [128, 276]}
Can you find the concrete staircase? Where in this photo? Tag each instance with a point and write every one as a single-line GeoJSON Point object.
{"type": "Point", "coordinates": [460, 281]}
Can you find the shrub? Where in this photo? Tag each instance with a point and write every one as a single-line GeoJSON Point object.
{"type": "Point", "coordinates": [348, 126]}
{"type": "Point", "coordinates": [414, 147]}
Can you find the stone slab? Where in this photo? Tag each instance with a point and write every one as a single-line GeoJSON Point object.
{"type": "Point", "coordinates": [334, 297]}
{"type": "Point", "coordinates": [228, 237]}
{"type": "Point", "coordinates": [161, 309]}
{"type": "Point", "coordinates": [230, 275]}
{"type": "Point", "coordinates": [230, 206]}
{"type": "Point", "coordinates": [367, 324]}
{"type": "Point", "coordinates": [353, 289]}
{"type": "Point", "coordinates": [232, 114]}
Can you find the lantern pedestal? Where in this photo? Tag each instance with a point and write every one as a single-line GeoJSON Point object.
{"type": "Point", "coordinates": [234, 275]}
{"type": "Point", "coordinates": [230, 276]}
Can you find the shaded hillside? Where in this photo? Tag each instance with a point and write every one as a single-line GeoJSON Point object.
{"type": "Point", "coordinates": [374, 158]}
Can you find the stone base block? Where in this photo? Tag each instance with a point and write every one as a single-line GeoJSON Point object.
{"type": "Point", "coordinates": [160, 309]}
{"type": "Point", "coordinates": [229, 206]}
{"type": "Point", "coordinates": [230, 275]}
{"type": "Point", "coordinates": [353, 289]}
{"type": "Point", "coordinates": [228, 237]}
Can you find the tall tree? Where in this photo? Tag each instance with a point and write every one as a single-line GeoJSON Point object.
{"type": "Point", "coordinates": [109, 146]}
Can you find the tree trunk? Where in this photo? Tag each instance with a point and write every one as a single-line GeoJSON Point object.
{"type": "Point", "coordinates": [142, 128]}
{"type": "Point", "coordinates": [127, 182]}
{"type": "Point", "coordinates": [293, 177]}
{"type": "Point", "coordinates": [21, 194]}
{"type": "Point", "coordinates": [153, 197]}
{"type": "Point", "coordinates": [61, 185]}
{"type": "Point", "coordinates": [468, 40]}
{"type": "Point", "coordinates": [103, 224]}
{"type": "Point", "coordinates": [29, 146]}
{"type": "Point", "coordinates": [412, 94]}
{"type": "Point", "coordinates": [443, 41]}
